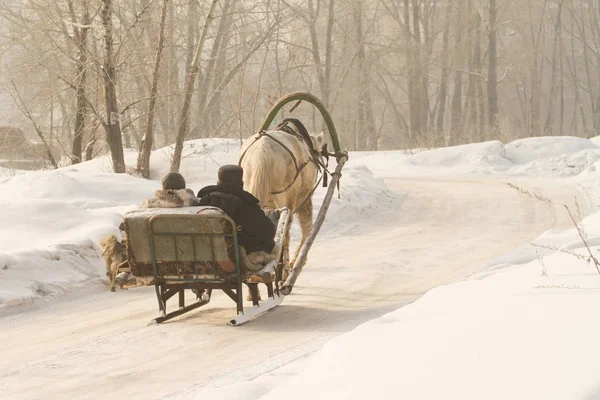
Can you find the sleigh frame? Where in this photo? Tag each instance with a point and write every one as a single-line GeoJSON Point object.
{"type": "Point", "coordinates": [200, 252]}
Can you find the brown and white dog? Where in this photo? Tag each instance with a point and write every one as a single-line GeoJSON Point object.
{"type": "Point", "coordinates": [114, 253]}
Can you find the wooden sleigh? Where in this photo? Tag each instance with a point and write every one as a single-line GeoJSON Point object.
{"type": "Point", "coordinates": [196, 248]}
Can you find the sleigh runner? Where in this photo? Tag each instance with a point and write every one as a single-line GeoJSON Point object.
{"type": "Point", "coordinates": [196, 248]}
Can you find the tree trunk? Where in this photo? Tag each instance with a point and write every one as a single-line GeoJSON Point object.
{"type": "Point", "coordinates": [561, 130]}
{"type": "Point", "coordinates": [328, 51]}
{"type": "Point", "coordinates": [365, 121]}
{"type": "Point", "coordinates": [590, 80]}
{"type": "Point", "coordinates": [213, 112]}
{"type": "Point", "coordinates": [593, 14]}
{"type": "Point", "coordinates": [81, 35]}
{"type": "Point", "coordinates": [172, 72]}
{"type": "Point", "coordinates": [214, 70]}
{"type": "Point", "coordinates": [479, 95]}
{"type": "Point", "coordinates": [492, 76]}
{"type": "Point", "coordinates": [470, 105]}
{"type": "Point", "coordinates": [442, 99]}
{"type": "Point", "coordinates": [189, 91]}
{"type": "Point", "coordinates": [89, 147]}
{"type": "Point", "coordinates": [93, 137]}
{"type": "Point", "coordinates": [112, 124]}
{"type": "Point", "coordinates": [549, 124]}
{"type": "Point", "coordinates": [143, 162]}
{"type": "Point", "coordinates": [459, 56]}
{"type": "Point", "coordinates": [421, 109]}
{"type": "Point", "coordinates": [312, 27]}
{"type": "Point", "coordinates": [413, 106]}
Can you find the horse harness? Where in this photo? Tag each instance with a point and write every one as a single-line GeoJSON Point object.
{"type": "Point", "coordinates": [301, 134]}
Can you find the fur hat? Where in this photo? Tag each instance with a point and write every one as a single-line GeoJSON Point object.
{"type": "Point", "coordinates": [231, 175]}
{"type": "Point", "coordinates": [173, 181]}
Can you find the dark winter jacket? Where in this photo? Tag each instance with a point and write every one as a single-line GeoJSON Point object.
{"type": "Point", "coordinates": [255, 230]}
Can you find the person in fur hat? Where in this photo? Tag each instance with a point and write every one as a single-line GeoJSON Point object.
{"type": "Point", "coordinates": [173, 194]}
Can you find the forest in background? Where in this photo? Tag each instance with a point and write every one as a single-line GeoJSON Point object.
{"type": "Point", "coordinates": [80, 78]}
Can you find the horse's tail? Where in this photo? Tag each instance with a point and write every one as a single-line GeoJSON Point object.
{"type": "Point", "coordinates": [257, 173]}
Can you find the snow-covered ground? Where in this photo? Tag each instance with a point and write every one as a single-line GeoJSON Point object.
{"type": "Point", "coordinates": [522, 327]}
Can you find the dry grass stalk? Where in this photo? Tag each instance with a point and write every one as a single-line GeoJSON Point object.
{"type": "Point", "coordinates": [579, 229]}
{"type": "Point", "coordinates": [541, 261]}
{"type": "Point", "coordinates": [536, 196]}
{"type": "Point", "coordinates": [562, 250]}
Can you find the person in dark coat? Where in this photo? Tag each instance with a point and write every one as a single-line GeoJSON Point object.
{"type": "Point", "coordinates": [255, 230]}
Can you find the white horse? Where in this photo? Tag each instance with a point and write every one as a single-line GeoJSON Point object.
{"type": "Point", "coordinates": [281, 170]}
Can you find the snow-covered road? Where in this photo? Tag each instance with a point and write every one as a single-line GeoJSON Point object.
{"type": "Point", "coordinates": [438, 230]}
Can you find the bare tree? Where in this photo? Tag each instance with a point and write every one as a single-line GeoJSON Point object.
{"type": "Point", "coordinates": [81, 39]}
{"type": "Point", "coordinates": [143, 163]}
{"type": "Point", "coordinates": [189, 90]}
{"type": "Point", "coordinates": [27, 112]}
{"type": "Point", "coordinates": [549, 124]}
{"type": "Point", "coordinates": [394, 73]}
{"type": "Point", "coordinates": [366, 136]}
{"type": "Point", "coordinates": [492, 76]}
{"type": "Point", "coordinates": [113, 124]}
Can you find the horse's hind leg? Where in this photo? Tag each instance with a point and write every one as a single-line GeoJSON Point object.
{"type": "Point", "coordinates": [305, 215]}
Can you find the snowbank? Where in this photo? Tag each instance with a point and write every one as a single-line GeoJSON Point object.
{"type": "Point", "coordinates": [524, 151]}
{"type": "Point", "coordinates": [51, 224]}
{"type": "Point", "coordinates": [595, 140]}
{"type": "Point", "coordinates": [78, 187]}
{"type": "Point", "coordinates": [552, 156]}
{"type": "Point", "coordinates": [362, 198]}
{"type": "Point", "coordinates": [382, 163]}
{"type": "Point", "coordinates": [549, 157]}
{"type": "Point", "coordinates": [474, 157]}
{"type": "Point", "coordinates": [200, 161]}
